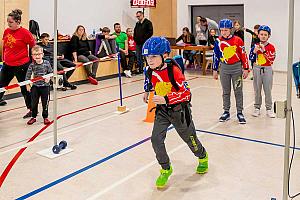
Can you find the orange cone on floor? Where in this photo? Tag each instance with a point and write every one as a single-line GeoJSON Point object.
{"type": "Point", "coordinates": [150, 115]}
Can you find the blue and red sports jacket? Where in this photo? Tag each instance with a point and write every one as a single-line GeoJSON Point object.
{"type": "Point", "coordinates": [263, 57]}
{"type": "Point", "coordinates": [229, 51]}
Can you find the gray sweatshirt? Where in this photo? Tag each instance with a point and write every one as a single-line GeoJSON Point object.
{"type": "Point", "coordinates": [39, 70]}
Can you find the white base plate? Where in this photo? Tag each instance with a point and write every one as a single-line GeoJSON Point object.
{"type": "Point", "coordinates": [118, 112]}
{"type": "Point", "coordinates": [48, 153]}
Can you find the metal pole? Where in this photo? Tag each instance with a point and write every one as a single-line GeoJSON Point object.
{"type": "Point", "coordinates": [289, 101]}
{"type": "Point", "coordinates": [120, 79]}
{"type": "Point", "coordinates": [55, 76]}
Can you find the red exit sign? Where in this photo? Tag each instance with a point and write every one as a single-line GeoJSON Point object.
{"type": "Point", "coordinates": [143, 3]}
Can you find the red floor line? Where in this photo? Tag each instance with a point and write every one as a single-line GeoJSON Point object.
{"type": "Point", "coordinates": [77, 94]}
{"type": "Point", "coordinates": [21, 151]}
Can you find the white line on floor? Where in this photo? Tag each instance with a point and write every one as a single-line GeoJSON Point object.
{"type": "Point", "coordinates": [142, 169]}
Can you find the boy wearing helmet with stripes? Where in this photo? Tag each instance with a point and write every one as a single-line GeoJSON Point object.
{"type": "Point", "coordinates": [229, 53]}
{"type": "Point", "coordinates": [263, 55]}
{"type": "Point", "coordinates": [172, 99]}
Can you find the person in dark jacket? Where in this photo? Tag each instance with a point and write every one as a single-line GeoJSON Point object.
{"type": "Point", "coordinates": [143, 30]}
{"type": "Point", "coordinates": [61, 61]}
{"type": "Point", "coordinates": [188, 38]}
{"type": "Point", "coordinates": [238, 31]}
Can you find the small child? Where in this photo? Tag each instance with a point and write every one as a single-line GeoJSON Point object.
{"type": "Point", "coordinates": [254, 34]}
{"type": "Point", "coordinates": [39, 89]}
{"type": "Point", "coordinates": [172, 97]}
{"type": "Point", "coordinates": [263, 55]}
{"type": "Point", "coordinates": [131, 48]}
{"type": "Point", "coordinates": [212, 38]}
{"type": "Point", "coordinates": [238, 31]}
{"type": "Point", "coordinates": [229, 52]}
{"type": "Point", "coordinates": [108, 45]}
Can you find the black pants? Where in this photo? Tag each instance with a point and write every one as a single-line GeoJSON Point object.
{"type": "Point", "coordinates": [64, 63]}
{"type": "Point", "coordinates": [140, 57]}
{"type": "Point", "coordinates": [184, 125]}
{"type": "Point", "coordinates": [8, 73]}
{"type": "Point", "coordinates": [123, 61]}
{"type": "Point", "coordinates": [131, 59]}
{"type": "Point", "coordinates": [36, 93]}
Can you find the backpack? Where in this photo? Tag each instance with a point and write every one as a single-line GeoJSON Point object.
{"type": "Point", "coordinates": [179, 60]}
{"type": "Point", "coordinates": [170, 63]}
{"type": "Point", "coordinates": [34, 28]}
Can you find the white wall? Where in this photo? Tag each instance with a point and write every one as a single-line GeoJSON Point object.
{"type": "Point", "coordinates": [270, 12]}
{"type": "Point", "coordinates": [92, 14]}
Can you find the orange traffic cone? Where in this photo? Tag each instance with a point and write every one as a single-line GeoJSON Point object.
{"type": "Point", "coordinates": [150, 111]}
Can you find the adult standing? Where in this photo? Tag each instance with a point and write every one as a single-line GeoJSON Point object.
{"type": "Point", "coordinates": [203, 27]}
{"type": "Point", "coordinates": [16, 41]}
{"type": "Point", "coordinates": [143, 30]}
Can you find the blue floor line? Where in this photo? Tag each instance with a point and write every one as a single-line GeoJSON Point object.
{"type": "Point", "coordinates": [127, 149]}
{"type": "Point", "coordinates": [245, 139]}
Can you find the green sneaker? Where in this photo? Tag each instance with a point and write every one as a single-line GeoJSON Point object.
{"type": "Point", "coordinates": [162, 180]}
{"type": "Point", "coordinates": [203, 165]}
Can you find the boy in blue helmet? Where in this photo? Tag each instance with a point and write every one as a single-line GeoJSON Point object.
{"type": "Point", "coordinates": [263, 55]}
{"type": "Point", "coordinates": [172, 97]}
{"type": "Point", "coordinates": [229, 53]}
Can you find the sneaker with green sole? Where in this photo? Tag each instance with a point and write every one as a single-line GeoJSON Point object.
{"type": "Point", "coordinates": [202, 167]}
{"type": "Point", "coordinates": [162, 180]}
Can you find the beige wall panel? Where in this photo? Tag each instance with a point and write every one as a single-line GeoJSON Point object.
{"type": "Point", "coordinates": [164, 18]}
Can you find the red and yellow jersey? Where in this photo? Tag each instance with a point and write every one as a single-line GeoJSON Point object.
{"type": "Point", "coordinates": [230, 51]}
{"type": "Point", "coordinates": [162, 86]}
{"type": "Point", "coordinates": [263, 57]}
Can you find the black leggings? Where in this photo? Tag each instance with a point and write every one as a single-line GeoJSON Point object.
{"type": "Point", "coordinates": [8, 73]}
{"type": "Point", "coordinates": [36, 93]}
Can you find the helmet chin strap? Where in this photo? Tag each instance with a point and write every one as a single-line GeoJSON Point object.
{"type": "Point", "coordinates": [162, 64]}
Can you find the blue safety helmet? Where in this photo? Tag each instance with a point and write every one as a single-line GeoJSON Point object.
{"type": "Point", "coordinates": [265, 28]}
{"type": "Point", "coordinates": [225, 23]}
{"type": "Point", "coordinates": [156, 46]}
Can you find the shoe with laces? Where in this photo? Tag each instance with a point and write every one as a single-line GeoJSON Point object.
{"type": "Point", "coordinates": [270, 114]}
{"type": "Point", "coordinates": [241, 118]}
{"type": "Point", "coordinates": [256, 112]}
{"type": "Point", "coordinates": [202, 167]}
{"type": "Point", "coordinates": [31, 121]}
{"type": "Point", "coordinates": [163, 178]}
{"type": "Point", "coordinates": [224, 117]}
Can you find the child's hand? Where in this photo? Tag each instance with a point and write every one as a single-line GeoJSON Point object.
{"type": "Point", "coordinates": [28, 87]}
{"type": "Point", "coordinates": [256, 48]}
{"type": "Point", "coordinates": [215, 75]}
{"type": "Point", "coordinates": [245, 74]}
{"type": "Point", "coordinates": [262, 47]}
{"type": "Point", "coordinates": [47, 80]}
{"type": "Point", "coordinates": [159, 99]}
{"type": "Point", "coordinates": [145, 97]}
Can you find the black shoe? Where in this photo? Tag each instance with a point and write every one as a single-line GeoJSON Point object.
{"type": "Point", "coordinates": [2, 102]}
{"type": "Point", "coordinates": [27, 115]}
{"type": "Point", "coordinates": [71, 86]}
{"type": "Point", "coordinates": [224, 117]}
{"type": "Point", "coordinates": [241, 118]}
